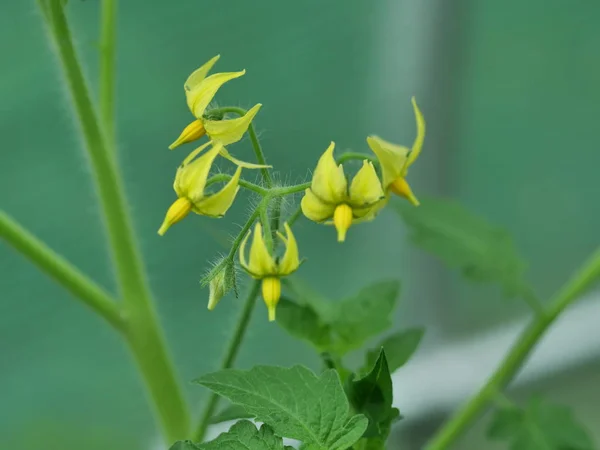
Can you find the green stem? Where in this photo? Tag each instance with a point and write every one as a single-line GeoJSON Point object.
{"type": "Point", "coordinates": [295, 215]}
{"type": "Point", "coordinates": [107, 68]}
{"type": "Point", "coordinates": [260, 156]}
{"type": "Point", "coordinates": [288, 190]}
{"type": "Point", "coordinates": [63, 272]}
{"type": "Point", "coordinates": [223, 177]}
{"type": "Point", "coordinates": [229, 358]}
{"type": "Point", "coordinates": [242, 234]}
{"type": "Point", "coordinates": [275, 219]}
{"type": "Point", "coordinates": [266, 223]}
{"type": "Point", "coordinates": [514, 360]}
{"type": "Point", "coordinates": [143, 333]}
{"type": "Point", "coordinates": [347, 156]}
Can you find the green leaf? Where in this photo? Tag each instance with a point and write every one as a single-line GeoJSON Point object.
{"type": "Point", "coordinates": [483, 252]}
{"type": "Point", "coordinates": [339, 327]}
{"type": "Point", "coordinates": [399, 347]}
{"type": "Point", "coordinates": [372, 396]}
{"type": "Point", "coordinates": [294, 402]}
{"type": "Point", "coordinates": [232, 412]}
{"type": "Point", "coordinates": [303, 322]}
{"type": "Point", "coordinates": [241, 436]}
{"type": "Point", "coordinates": [364, 315]}
{"type": "Point", "coordinates": [540, 426]}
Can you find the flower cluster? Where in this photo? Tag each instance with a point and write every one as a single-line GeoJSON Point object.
{"type": "Point", "coordinates": [327, 200]}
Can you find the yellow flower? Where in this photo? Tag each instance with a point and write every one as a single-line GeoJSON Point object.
{"type": "Point", "coordinates": [396, 159]}
{"type": "Point", "coordinates": [199, 91]}
{"type": "Point", "coordinates": [329, 198]}
{"type": "Point", "coordinates": [189, 185]}
{"type": "Point", "coordinates": [263, 266]}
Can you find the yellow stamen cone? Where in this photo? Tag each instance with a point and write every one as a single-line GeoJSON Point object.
{"type": "Point", "coordinates": [178, 210]}
{"type": "Point", "coordinates": [400, 187]}
{"type": "Point", "coordinates": [271, 291]}
{"type": "Point", "coordinates": [342, 219]}
{"type": "Point", "coordinates": [193, 131]}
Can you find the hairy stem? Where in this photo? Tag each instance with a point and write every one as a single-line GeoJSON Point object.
{"type": "Point", "coordinates": [516, 357]}
{"type": "Point", "coordinates": [223, 177]}
{"type": "Point", "coordinates": [348, 156]}
{"type": "Point", "coordinates": [63, 272]}
{"type": "Point", "coordinates": [229, 358]}
{"type": "Point", "coordinates": [107, 68]}
{"type": "Point", "coordinates": [143, 333]}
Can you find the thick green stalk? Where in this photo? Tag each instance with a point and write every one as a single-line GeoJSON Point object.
{"type": "Point", "coordinates": [63, 272]}
{"type": "Point", "coordinates": [108, 37]}
{"type": "Point", "coordinates": [144, 335]}
{"type": "Point", "coordinates": [229, 358]}
{"type": "Point", "coordinates": [514, 360]}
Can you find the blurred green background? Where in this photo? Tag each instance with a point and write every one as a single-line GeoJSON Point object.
{"type": "Point", "coordinates": [511, 97]}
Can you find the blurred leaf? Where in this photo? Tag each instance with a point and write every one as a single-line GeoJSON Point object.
{"type": "Point", "coordinates": [241, 436]}
{"type": "Point", "coordinates": [483, 252]}
{"type": "Point", "coordinates": [339, 327]}
{"type": "Point", "coordinates": [540, 426]}
{"type": "Point", "coordinates": [231, 412]}
{"type": "Point", "coordinates": [294, 402]}
{"type": "Point", "coordinates": [370, 444]}
{"type": "Point", "coordinates": [303, 322]}
{"type": "Point", "coordinates": [399, 347]}
{"type": "Point", "coordinates": [372, 396]}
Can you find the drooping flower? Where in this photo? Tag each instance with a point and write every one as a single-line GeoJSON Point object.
{"type": "Point", "coordinates": [262, 266]}
{"type": "Point", "coordinates": [396, 159]}
{"type": "Point", "coordinates": [328, 200]}
{"type": "Point", "coordinates": [189, 185]}
{"type": "Point", "coordinates": [199, 91]}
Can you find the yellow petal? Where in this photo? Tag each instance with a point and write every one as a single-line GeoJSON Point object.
{"type": "Point", "coordinates": [193, 131]}
{"type": "Point", "coordinates": [242, 252]}
{"type": "Point", "coordinates": [231, 130]}
{"type": "Point", "coordinates": [365, 188]}
{"type": "Point", "coordinates": [314, 208]}
{"type": "Point", "coordinates": [245, 165]}
{"type": "Point", "coordinates": [202, 94]}
{"type": "Point", "coordinates": [392, 158]}
{"type": "Point", "coordinates": [329, 182]}
{"type": "Point", "coordinates": [370, 212]}
{"type": "Point", "coordinates": [199, 74]}
{"type": "Point", "coordinates": [402, 188]}
{"type": "Point", "coordinates": [342, 219]}
{"type": "Point", "coordinates": [290, 261]}
{"type": "Point", "coordinates": [271, 291]}
{"type": "Point", "coordinates": [418, 144]}
{"type": "Point", "coordinates": [176, 212]}
{"type": "Point", "coordinates": [216, 205]}
{"type": "Point", "coordinates": [261, 261]}
{"type": "Point", "coordinates": [191, 176]}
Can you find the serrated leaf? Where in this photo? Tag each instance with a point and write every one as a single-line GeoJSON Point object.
{"type": "Point", "coordinates": [399, 347]}
{"type": "Point", "coordinates": [338, 327]}
{"type": "Point", "coordinates": [540, 426]}
{"type": "Point", "coordinates": [241, 436]}
{"type": "Point", "coordinates": [372, 396]}
{"type": "Point", "coordinates": [294, 402]}
{"type": "Point", "coordinates": [303, 322]}
{"type": "Point", "coordinates": [364, 315]}
{"type": "Point", "coordinates": [232, 412]}
{"type": "Point", "coordinates": [483, 252]}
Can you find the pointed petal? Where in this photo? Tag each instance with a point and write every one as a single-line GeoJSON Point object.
{"type": "Point", "coordinates": [199, 75]}
{"type": "Point", "coordinates": [242, 252]}
{"type": "Point", "coordinates": [314, 208]}
{"type": "Point", "coordinates": [230, 130]}
{"type": "Point", "coordinates": [193, 131]}
{"type": "Point", "coordinates": [290, 261]}
{"type": "Point", "coordinates": [216, 205]}
{"type": "Point", "coordinates": [329, 182]}
{"type": "Point", "coordinates": [261, 261]}
{"type": "Point", "coordinates": [392, 158]}
{"type": "Point", "coordinates": [191, 176]}
{"type": "Point", "coordinates": [418, 144]}
{"type": "Point", "coordinates": [203, 93]}
{"type": "Point", "coordinates": [365, 188]}
{"type": "Point", "coordinates": [245, 165]}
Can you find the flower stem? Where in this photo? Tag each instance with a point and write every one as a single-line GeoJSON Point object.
{"type": "Point", "coordinates": [143, 332]}
{"type": "Point", "coordinates": [107, 68]}
{"type": "Point", "coordinates": [63, 272]}
{"type": "Point", "coordinates": [516, 357]}
{"type": "Point", "coordinates": [347, 156]}
{"type": "Point", "coordinates": [229, 358]}
{"type": "Point", "coordinates": [288, 190]}
{"type": "Point", "coordinates": [243, 183]}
